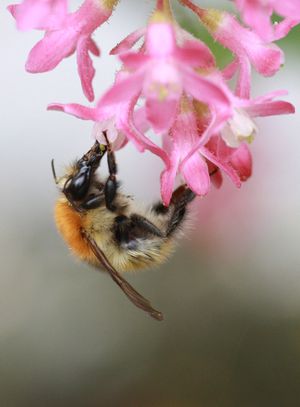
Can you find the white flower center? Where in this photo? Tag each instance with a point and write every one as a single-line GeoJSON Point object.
{"type": "Point", "coordinates": [238, 129]}
{"type": "Point", "coordinates": [109, 127]}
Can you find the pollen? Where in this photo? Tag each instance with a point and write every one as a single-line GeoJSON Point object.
{"type": "Point", "coordinates": [109, 4]}
{"type": "Point", "coordinates": [212, 19]}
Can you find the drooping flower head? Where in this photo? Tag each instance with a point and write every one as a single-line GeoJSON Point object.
{"type": "Point", "coordinates": [189, 157]}
{"type": "Point", "coordinates": [247, 47]}
{"type": "Point", "coordinates": [205, 128]}
{"type": "Point", "coordinates": [161, 74]}
{"type": "Point", "coordinates": [69, 33]}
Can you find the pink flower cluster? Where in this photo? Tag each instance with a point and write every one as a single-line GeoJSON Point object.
{"type": "Point", "coordinates": [170, 86]}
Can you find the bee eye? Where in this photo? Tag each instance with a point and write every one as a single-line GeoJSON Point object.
{"type": "Point", "coordinates": [79, 185]}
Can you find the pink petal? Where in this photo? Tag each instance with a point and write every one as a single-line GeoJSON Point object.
{"type": "Point", "coordinates": [217, 179]}
{"type": "Point", "coordinates": [195, 54]}
{"type": "Point", "coordinates": [140, 119]}
{"type": "Point", "coordinates": [39, 14]}
{"type": "Point", "coordinates": [160, 39]}
{"type": "Point", "coordinates": [124, 90]}
{"type": "Point", "coordinates": [244, 79]}
{"type": "Point", "coordinates": [167, 178]}
{"type": "Point", "coordinates": [288, 8]}
{"type": "Point", "coordinates": [161, 114]}
{"type": "Point", "coordinates": [268, 96]}
{"type": "Point", "coordinates": [282, 29]}
{"type": "Point", "coordinates": [205, 90]}
{"type": "Point", "coordinates": [241, 161]}
{"type": "Point", "coordinates": [257, 15]}
{"type": "Point", "coordinates": [85, 67]}
{"type": "Point", "coordinates": [133, 60]}
{"type": "Point", "coordinates": [213, 127]}
{"type": "Point", "coordinates": [82, 112]}
{"type": "Point", "coordinates": [126, 124]}
{"type": "Point", "coordinates": [270, 108]}
{"type": "Point", "coordinates": [128, 42]}
{"type": "Point", "coordinates": [195, 174]}
{"type": "Point", "coordinates": [93, 47]}
{"type": "Point", "coordinates": [227, 168]}
{"type": "Point", "coordinates": [266, 59]}
{"type": "Point", "coordinates": [49, 52]}
{"type": "Point", "coordinates": [12, 8]}
{"type": "Point", "coordinates": [230, 69]}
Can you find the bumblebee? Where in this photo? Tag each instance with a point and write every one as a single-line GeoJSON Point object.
{"type": "Point", "coordinates": [107, 229]}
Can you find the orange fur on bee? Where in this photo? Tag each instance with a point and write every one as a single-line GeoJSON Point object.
{"type": "Point", "coordinates": [69, 223]}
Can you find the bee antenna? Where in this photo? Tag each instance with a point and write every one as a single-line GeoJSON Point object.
{"type": "Point", "coordinates": [53, 171]}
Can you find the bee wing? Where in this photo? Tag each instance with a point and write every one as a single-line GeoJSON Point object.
{"type": "Point", "coordinates": [137, 299]}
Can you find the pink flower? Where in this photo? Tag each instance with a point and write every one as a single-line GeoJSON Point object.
{"type": "Point", "coordinates": [183, 138]}
{"type": "Point", "coordinates": [247, 47]}
{"type": "Point", "coordinates": [257, 14]}
{"type": "Point", "coordinates": [164, 72]}
{"type": "Point", "coordinates": [39, 14]}
{"type": "Point", "coordinates": [238, 159]}
{"type": "Point", "coordinates": [240, 126]}
{"type": "Point", "coordinates": [72, 34]}
{"type": "Point", "coordinates": [119, 121]}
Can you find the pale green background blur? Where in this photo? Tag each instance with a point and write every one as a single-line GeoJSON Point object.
{"type": "Point", "coordinates": [230, 295]}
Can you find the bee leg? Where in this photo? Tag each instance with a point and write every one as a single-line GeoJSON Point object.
{"type": "Point", "coordinates": [146, 225]}
{"type": "Point", "coordinates": [93, 201]}
{"type": "Point", "coordinates": [181, 197]}
{"type": "Point", "coordinates": [128, 230]}
{"type": "Point", "coordinates": [111, 185]}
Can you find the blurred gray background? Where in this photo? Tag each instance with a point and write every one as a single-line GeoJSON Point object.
{"type": "Point", "coordinates": [230, 294]}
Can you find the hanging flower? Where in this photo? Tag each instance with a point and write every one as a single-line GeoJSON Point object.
{"type": "Point", "coordinates": [163, 72]}
{"type": "Point", "coordinates": [181, 140]}
{"type": "Point", "coordinates": [72, 34]}
{"type": "Point", "coordinates": [247, 47]}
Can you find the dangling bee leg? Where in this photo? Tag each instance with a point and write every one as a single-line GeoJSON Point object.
{"type": "Point", "coordinates": [181, 197]}
{"type": "Point", "coordinates": [174, 213]}
{"type": "Point", "coordinates": [129, 230]}
{"type": "Point", "coordinates": [111, 185]}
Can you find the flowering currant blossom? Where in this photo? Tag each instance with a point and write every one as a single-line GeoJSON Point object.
{"type": "Point", "coordinates": [118, 121]}
{"type": "Point", "coordinates": [171, 85]}
{"type": "Point", "coordinates": [239, 159]}
{"type": "Point", "coordinates": [163, 72]}
{"type": "Point", "coordinates": [73, 33]}
{"type": "Point", "coordinates": [39, 14]}
{"type": "Point", "coordinates": [194, 155]}
{"type": "Point", "coordinates": [257, 14]}
{"type": "Point", "coordinates": [230, 146]}
{"type": "Point", "coordinates": [240, 127]}
{"type": "Point", "coordinates": [247, 47]}
{"type": "Point", "coordinates": [182, 138]}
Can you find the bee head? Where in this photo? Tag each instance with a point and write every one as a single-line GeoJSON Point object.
{"type": "Point", "coordinates": [76, 183]}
